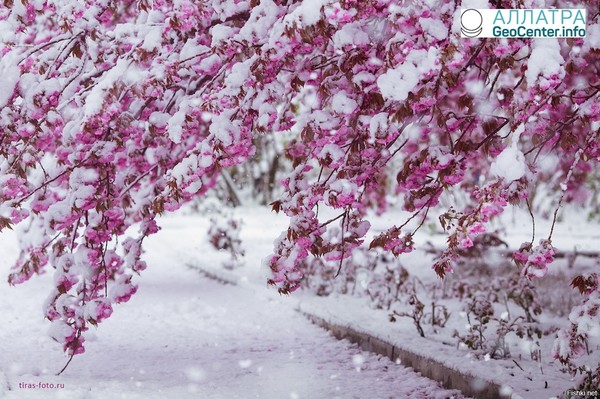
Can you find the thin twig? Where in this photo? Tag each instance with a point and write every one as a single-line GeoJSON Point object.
{"type": "Point", "coordinates": [345, 214]}
{"type": "Point", "coordinates": [66, 365]}
{"type": "Point", "coordinates": [532, 220]}
{"type": "Point", "coordinates": [518, 365]}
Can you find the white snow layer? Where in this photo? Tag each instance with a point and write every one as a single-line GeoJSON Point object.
{"type": "Point", "coordinates": [545, 60]}
{"type": "Point", "coordinates": [434, 27]}
{"type": "Point", "coordinates": [9, 77]}
{"type": "Point", "coordinates": [351, 34]}
{"type": "Point", "coordinates": [183, 336]}
{"type": "Point", "coordinates": [342, 103]}
{"type": "Point", "coordinates": [307, 13]}
{"type": "Point", "coordinates": [510, 164]}
{"type": "Point", "coordinates": [123, 72]}
{"type": "Point", "coordinates": [593, 36]}
{"type": "Point", "coordinates": [397, 82]}
{"type": "Point", "coordinates": [175, 123]}
{"type": "Point", "coordinates": [153, 39]}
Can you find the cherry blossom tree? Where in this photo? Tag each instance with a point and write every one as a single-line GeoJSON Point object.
{"type": "Point", "coordinates": [113, 112]}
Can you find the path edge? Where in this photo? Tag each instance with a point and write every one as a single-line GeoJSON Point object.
{"type": "Point", "coordinates": [469, 385]}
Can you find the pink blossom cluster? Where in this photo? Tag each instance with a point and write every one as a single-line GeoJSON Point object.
{"type": "Point", "coordinates": [584, 330]}
{"type": "Point", "coordinates": [534, 261]}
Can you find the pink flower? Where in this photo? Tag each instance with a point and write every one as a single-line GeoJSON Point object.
{"type": "Point", "coordinates": [477, 228]}
{"type": "Point", "coordinates": [466, 242]}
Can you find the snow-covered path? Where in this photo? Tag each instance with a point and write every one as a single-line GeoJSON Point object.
{"type": "Point", "coordinates": [184, 336]}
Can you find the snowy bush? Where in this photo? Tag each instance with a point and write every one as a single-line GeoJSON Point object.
{"type": "Point", "coordinates": [224, 235]}
{"type": "Point", "coordinates": [498, 307]}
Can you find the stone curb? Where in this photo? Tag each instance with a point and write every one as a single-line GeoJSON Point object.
{"type": "Point", "coordinates": [451, 379]}
{"type": "Point", "coordinates": [222, 276]}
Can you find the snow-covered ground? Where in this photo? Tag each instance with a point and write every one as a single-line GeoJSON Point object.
{"type": "Point", "coordinates": [521, 373]}
{"type": "Point", "coordinates": [184, 336]}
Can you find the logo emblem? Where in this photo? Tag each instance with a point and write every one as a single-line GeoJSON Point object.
{"type": "Point", "coordinates": [470, 23]}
